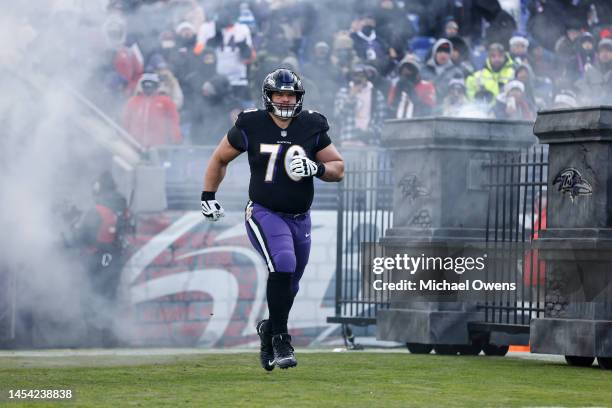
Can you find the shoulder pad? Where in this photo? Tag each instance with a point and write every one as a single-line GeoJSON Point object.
{"type": "Point", "coordinates": [317, 119]}
{"type": "Point", "coordinates": [247, 117]}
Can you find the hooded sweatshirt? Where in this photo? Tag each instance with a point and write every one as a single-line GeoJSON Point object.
{"type": "Point", "coordinates": [411, 91]}
{"type": "Point", "coordinates": [440, 75]}
{"type": "Point", "coordinates": [152, 120]}
{"type": "Point", "coordinates": [432, 66]}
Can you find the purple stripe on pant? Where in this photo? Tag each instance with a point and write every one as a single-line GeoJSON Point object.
{"type": "Point", "coordinates": [286, 240]}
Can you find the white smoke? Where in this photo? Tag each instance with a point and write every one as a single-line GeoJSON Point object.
{"type": "Point", "coordinates": [46, 160]}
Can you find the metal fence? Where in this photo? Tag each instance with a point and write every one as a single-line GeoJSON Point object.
{"type": "Point", "coordinates": [516, 213]}
{"type": "Point", "coordinates": [365, 204]}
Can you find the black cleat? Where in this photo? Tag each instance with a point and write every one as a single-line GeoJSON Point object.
{"type": "Point", "coordinates": [283, 352]}
{"type": "Point", "coordinates": [266, 353]}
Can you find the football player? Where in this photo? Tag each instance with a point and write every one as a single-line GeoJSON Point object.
{"type": "Point", "coordinates": [286, 147]}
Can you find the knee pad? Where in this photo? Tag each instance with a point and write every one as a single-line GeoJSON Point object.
{"type": "Point", "coordinates": [284, 261]}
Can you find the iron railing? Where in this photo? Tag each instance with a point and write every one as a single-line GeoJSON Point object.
{"type": "Point", "coordinates": [365, 212]}
{"type": "Point", "coordinates": [516, 213]}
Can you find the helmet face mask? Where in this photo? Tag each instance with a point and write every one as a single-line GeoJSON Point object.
{"type": "Point", "coordinates": [282, 80]}
{"type": "Point", "coordinates": [284, 110]}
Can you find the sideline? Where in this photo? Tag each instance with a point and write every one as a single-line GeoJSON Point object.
{"type": "Point", "coordinates": [153, 352]}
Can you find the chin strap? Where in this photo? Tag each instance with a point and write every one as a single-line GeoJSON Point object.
{"type": "Point", "coordinates": [291, 112]}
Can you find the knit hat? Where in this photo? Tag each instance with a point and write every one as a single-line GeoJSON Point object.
{"type": "Point", "coordinates": [456, 83]}
{"type": "Point", "coordinates": [496, 47]}
{"type": "Point", "coordinates": [358, 69]}
{"type": "Point", "coordinates": [149, 77]}
{"type": "Point", "coordinates": [183, 26]}
{"type": "Point", "coordinates": [517, 40]}
{"type": "Point", "coordinates": [371, 70]}
{"type": "Point", "coordinates": [410, 59]}
{"type": "Point", "coordinates": [565, 99]}
{"type": "Point", "coordinates": [452, 24]}
{"type": "Point", "coordinates": [514, 84]}
{"type": "Point", "coordinates": [586, 37]}
{"type": "Point", "coordinates": [322, 44]}
{"type": "Point", "coordinates": [605, 43]}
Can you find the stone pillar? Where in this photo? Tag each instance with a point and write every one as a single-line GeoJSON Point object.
{"type": "Point", "coordinates": [440, 199]}
{"type": "Point", "coordinates": [577, 243]}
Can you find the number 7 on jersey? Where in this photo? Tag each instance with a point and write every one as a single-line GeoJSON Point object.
{"type": "Point", "coordinates": [273, 150]}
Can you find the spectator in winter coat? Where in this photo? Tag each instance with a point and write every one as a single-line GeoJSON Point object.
{"type": "Point", "coordinates": [168, 84]}
{"type": "Point", "coordinates": [127, 61]}
{"type": "Point", "coordinates": [184, 62]}
{"type": "Point", "coordinates": [440, 59]}
{"type": "Point", "coordinates": [343, 55]}
{"type": "Point", "coordinates": [152, 119]}
{"type": "Point", "coordinates": [451, 28]}
{"type": "Point", "coordinates": [380, 82]}
{"type": "Point", "coordinates": [596, 86]}
{"type": "Point", "coordinates": [583, 57]}
{"type": "Point", "coordinates": [440, 68]}
{"type": "Point", "coordinates": [543, 62]}
{"type": "Point", "coordinates": [359, 110]}
{"type": "Point", "coordinates": [519, 47]}
{"type": "Point", "coordinates": [166, 48]}
{"type": "Point", "coordinates": [461, 56]}
{"type": "Point", "coordinates": [565, 99]}
{"type": "Point", "coordinates": [512, 104]}
{"type": "Point", "coordinates": [524, 74]}
{"type": "Point", "coordinates": [370, 48]}
{"type": "Point", "coordinates": [186, 37]}
{"type": "Point", "coordinates": [566, 45]}
{"type": "Point", "coordinates": [233, 44]}
{"type": "Point", "coordinates": [410, 96]}
{"type": "Point", "coordinates": [497, 72]}
{"type": "Point", "coordinates": [456, 100]}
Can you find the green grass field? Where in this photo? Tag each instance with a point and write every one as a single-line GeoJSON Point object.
{"type": "Point", "coordinates": [351, 379]}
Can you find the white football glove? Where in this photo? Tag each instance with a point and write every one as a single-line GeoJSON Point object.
{"type": "Point", "coordinates": [302, 166]}
{"type": "Point", "coordinates": [211, 209]}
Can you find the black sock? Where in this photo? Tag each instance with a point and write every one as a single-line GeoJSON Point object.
{"type": "Point", "coordinates": [293, 295]}
{"type": "Point", "coordinates": [280, 300]}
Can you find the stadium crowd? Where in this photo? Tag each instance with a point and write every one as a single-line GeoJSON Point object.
{"type": "Point", "coordinates": [179, 71]}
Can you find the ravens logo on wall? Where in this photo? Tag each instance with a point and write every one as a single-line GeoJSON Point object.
{"type": "Point", "coordinates": [571, 181]}
{"type": "Point", "coordinates": [412, 188]}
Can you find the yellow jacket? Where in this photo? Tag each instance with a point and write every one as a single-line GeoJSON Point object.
{"type": "Point", "coordinates": [490, 80]}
